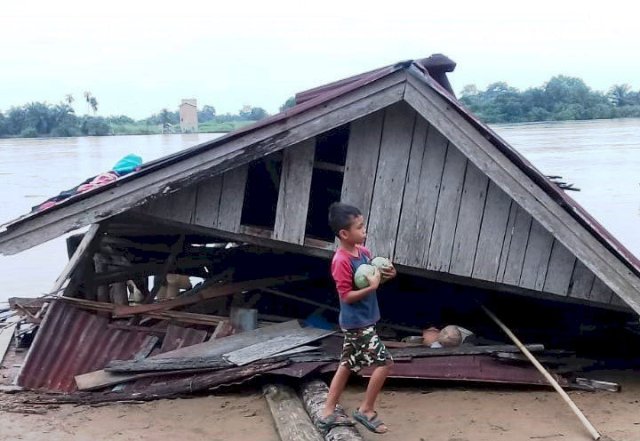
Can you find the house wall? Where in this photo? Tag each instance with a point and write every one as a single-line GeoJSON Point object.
{"type": "Point", "coordinates": [428, 208]}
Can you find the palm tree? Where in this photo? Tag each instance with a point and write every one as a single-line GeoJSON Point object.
{"type": "Point", "coordinates": [68, 98]}
{"type": "Point", "coordinates": [619, 94]}
{"type": "Point", "coordinates": [92, 102]}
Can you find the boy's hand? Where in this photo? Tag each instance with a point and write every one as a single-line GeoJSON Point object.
{"type": "Point", "coordinates": [389, 273]}
{"type": "Point", "coordinates": [374, 281]}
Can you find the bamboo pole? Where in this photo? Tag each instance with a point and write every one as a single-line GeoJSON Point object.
{"type": "Point", "coordinates": [592, 430]}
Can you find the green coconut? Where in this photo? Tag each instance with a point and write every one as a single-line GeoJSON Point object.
{"type": "Point", "coordinates": [364, 271]}
{"type": "Point", "coordinates": [382, 263]}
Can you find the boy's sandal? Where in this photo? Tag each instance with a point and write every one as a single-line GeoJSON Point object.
{"type": "Point", "coordinates": [372, 423]}
{"type": "Point", "coordinates": [333, 420]}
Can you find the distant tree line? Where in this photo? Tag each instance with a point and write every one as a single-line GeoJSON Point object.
{"type": "Point", "coordinates": [41, 119]}
{"type": "Point", "coordinates": [561, 98]}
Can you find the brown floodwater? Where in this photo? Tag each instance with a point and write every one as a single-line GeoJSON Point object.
{"type": "Point", "coordinates": [602, 158]}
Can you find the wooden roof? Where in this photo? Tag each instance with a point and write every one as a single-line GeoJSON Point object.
{"type": "Point", "coordinates": [328, 107]}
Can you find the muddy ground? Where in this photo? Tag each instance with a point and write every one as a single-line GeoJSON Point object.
{"type": "Point", "coordinates": [413, 411]}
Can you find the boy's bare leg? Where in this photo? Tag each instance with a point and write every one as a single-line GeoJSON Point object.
{"type": "Point", "coordinates": [374, 387]}
{"type": "Point", "coordinates": [336, 388]}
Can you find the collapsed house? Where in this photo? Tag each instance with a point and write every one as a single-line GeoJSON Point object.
{"type": "Point", "coordinates": [464, 217]}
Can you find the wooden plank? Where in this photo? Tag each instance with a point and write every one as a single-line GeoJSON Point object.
{"type": "Point", "coordinates": [209, 350]}
{"type": "Point", "coordinates": [516, 183]}
{"type": "Point", "coordinates": [561, 265]}
{"type": "Point", "coordinates": [262, 350]}
{"type": "Point", "coordinates": [293, 196]}
{"type": "Point", "coordinates": [314, 395]}
{"type": "Point", "coordinates": [517, 247]}
{"type": "Point", "coordinates": [362, 161]}
{"type": "Point", "coordinates": [204, 293]}
{"type": "Point", "coordinates": [229, 153]}
{"type": "Point", "coordinates": [581, 281]}
{"type": "Point", "coordinates": [407, 228]}
{"type": "Point", "coordinates": [76, 258]}
{"type": "Point", "coordinates": [536, 258]}
{"type": "Point", "coordinates": [291, 420]}
{"type": "Point", "coordinates": [506, 243]}
{"type": "Point", "coordinates": [444, 228]}
{"type": "Point", "coordinates": [389, 184]}
{"type": "Point", "coordinates": [465, 241]}
{"type": "Point", "coordinates": [492, 233]}
{"type": "Point", "coordinates": [208, 202]}
{"type": "Point", "coordinates": [600, 292]}
{"type": "Point", "coordinates": [6, 336]}
{"type": "Point", "coordinates": [232, 199]}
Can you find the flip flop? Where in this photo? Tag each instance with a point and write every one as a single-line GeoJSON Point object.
{"type": "Point", "coordinates": [333, 420]}
{"type": "Point", "coordinates": [370, 423]}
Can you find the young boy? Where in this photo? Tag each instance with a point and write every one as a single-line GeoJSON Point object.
{"type": "Point", "coordinates": [359, 314]}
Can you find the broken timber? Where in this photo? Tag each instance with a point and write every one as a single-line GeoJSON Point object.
{"type": "Point", "coordinates": [314, 395]}
{"type": "Point", "coordinates": [291, 420]}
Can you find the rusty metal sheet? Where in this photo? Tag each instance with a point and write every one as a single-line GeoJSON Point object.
{"type": "Point", "coordinates": [472, 368]}
{"type": "Point", "coordinates": [70, 342]}
{"type": "Point", "coordinates": [299, 370]}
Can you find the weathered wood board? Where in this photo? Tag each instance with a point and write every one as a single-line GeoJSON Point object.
{"type": "Point", "coordinates": [492, 233]}
{"type": "Point", "coordinates": [390, 176]}
{"type": "Point", "coordinates": [293, 197]}
{"type": "Point", "coordinates": [560, 269]}
{"type": "Point", "coordinates": [444, 228]}
{"type": "Point", "coordinates": [362, 161]}
{"type": "Point", "coordinates": [536, 258]}
{"type": "Point", "coordinates": [232, 199]}
{"type": "Point", "coordinates": [208, 202]}
{"type": "Point", "coordinates": [465, 241]}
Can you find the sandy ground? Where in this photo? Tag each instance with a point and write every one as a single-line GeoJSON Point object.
{"type": "Point", "coordinates": [413, 412]}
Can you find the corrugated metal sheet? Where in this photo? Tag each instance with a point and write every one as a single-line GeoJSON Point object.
{"type": "Point", "coordinates": [71, 341]}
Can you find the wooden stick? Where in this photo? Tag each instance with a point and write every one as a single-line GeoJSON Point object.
{"type": "Point", "coordinates": [552, 381]}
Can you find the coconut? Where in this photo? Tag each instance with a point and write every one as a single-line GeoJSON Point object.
{"type": "Point", "coordinates": [364, 271]}
{"type": "Point", "coordinates": [382, 263]}
{"type": "Point", "coordinates": [450, 336]}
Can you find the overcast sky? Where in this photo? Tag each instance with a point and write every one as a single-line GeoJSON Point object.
{"type": "Point", "coordinates": [138, 58]}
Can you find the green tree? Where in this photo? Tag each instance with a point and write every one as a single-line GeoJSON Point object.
{"type": "Point", "coordinates": [92, 102]}
{"type": "Point", "coordinates": [289, 103]}
{"type": "Point", "coordinates": [619, 95]}
{"type": "Point", "coordinates": [208, 113]}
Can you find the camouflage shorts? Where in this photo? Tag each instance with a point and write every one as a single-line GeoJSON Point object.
{"type": "Point", "coordinates": [362, 347]}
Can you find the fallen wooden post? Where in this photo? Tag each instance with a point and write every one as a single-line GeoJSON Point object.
{"type": "Point", "coordinates": [291, 420]}
{"type": "Point", "coordinates": [205, 293]}
{"type": "Point", "coordinates": [314, 395]}
{"type": "Point", "coordinates": [552, 381]}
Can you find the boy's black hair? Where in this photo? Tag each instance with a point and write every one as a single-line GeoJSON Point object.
{"type": "Point", "coordinates": [341, 215]}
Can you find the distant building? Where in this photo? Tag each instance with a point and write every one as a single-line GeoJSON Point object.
{"type": "Point", "coordinates": [189, 116]}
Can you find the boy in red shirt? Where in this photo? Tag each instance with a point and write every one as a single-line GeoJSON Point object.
{"type": "Point", "coordinates": [359, 314]}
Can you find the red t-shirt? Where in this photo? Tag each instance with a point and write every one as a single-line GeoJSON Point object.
{"type": "Point", "coordinates": [342, 268]}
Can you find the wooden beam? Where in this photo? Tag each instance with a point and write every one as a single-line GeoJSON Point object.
{"type": "Point", "coordinates": [294, 192]}
{"type": "Point", "coordinates": [86, 244]}
{"type": "Point", "coordinates": [229, 152]}
{"type": "Point", "coordinates": [520, 187]}
{"type": "Point", "coordinates": [291, 420]}
{"type": "Point", "coordinates": [314, 395]}
{"type": "Point", "coordinates": [204, 293]}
